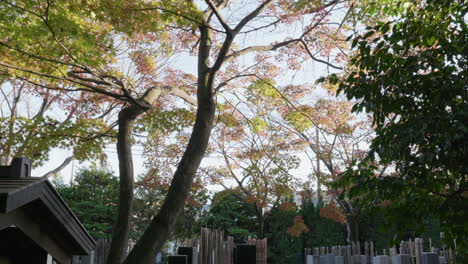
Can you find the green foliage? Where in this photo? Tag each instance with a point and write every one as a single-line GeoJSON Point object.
{"type": "Point", "coordinates": [35, 137]}
{"type": "Point", "coordinates": [386, 229]}
{"type": "Point", "coordinates": [258, 124]}
{"type": "Point", "coordinates": [88, 27]}
{"type": "Point", "coordinates": [299, 118]}
{"type": "Point", "coordinates": [93, 198]}
{"type": "Point", "coordinates": [234, 214]}
{"type": "Point", "coordinates": [323, 232]}
{"type": "Point", "coordinates": [264, 88]}
{"type": "Point", "coordinates": [165, 121]}
{"type": "Point", "coordinates": [282, 247]}
{"type": "Point", "coordinates": [229, 212]}
{"type": "Point", "coordinates": [411, 74]}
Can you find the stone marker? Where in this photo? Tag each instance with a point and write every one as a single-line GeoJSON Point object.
{"type": "Point", "coordinates": [246, 254]}
{"type": "Point", "coordinates": [442, 260]}
{"type": "Point", "coordinates": [382, 259]}
{"type": "Point", "coordinates": [401, 259]}
{"type": "Point", "coordinates": [429, 258]}
{"type": "Point", "coordinates": [327, 259]}
{"type": "Point", "coordinates": [88, 259]}
{"type": "Point", "coordinates": [177, 259]}
{"type": "Point", "coordinates": [158, 258]}
{"type": "Point", "coordinates": [310, 259]}
{"type": "Point", "coordinates": [190, 252]}
{"type": "Point", "coordinates": [339, 259]}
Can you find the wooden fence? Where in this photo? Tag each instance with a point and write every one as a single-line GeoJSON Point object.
{"type": "Point", "coordinates": [214, 248]}
{"type": "Point", "coordinates": [261, 248]}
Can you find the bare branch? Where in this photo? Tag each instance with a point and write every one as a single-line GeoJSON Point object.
{"type": "Point", "coordinates": [251, 16]}
{"type": "Point", "coordinates": [6, 100]}
{"type": "Point", "coordinates": [43, 108]}
{"type": "Point", "coordinates": [156, 92]}
{"type": "Point", "coordinates": [222, 55]}
{"type": "Point", "coordinates": [59, 168]}
{"type": "Point", "coordinates": [262, 27]}
{"type": "Point", "coordinates": [92, 80]}
{"type": "Point", "coordinates": [184, 96]}
{"type": "Point", "coordinates": [177, 14]}
{"type": "Point", "coordinates": [317, 59]}
{"type": "Point", "coordinates": [219, 16]}
{"type": "Point", "coordinates": [271, 47]}
{"type": "Point", "coordinates": [94, 89]}
{"type": "Point", "coordinates": [41, 57]}
{"type": "Point", "coordinates": [221, 85]}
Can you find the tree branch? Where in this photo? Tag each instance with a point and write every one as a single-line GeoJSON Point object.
{"type": "Point", "coordinates": [271, 47]}
{"type": "Point", "coordinates": [251, 16]}
{"type": "Point", "coordinates": [176, 13]}
{"type": "Point", "coordinates": [219, 16]}
{"type": "Point", "coordinates": [59, 168]}
{"type": "Point", "coordinates": [42, 58]}
{"type": "Point", "coordinates": [317, 59]}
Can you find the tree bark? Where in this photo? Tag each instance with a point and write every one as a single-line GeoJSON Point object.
{"type": "Point", "coordinates": [352, 227]}
{"type": "Point", "coordinates": [120, 233]}
{"type": "Point", "coordinates": [119, 242]}
{"type": "Point", "coordinates": [157, 233]}
{"type": "Point", "coordinates": [163, 223]}
{"type": "Point", "coordinates": [59, 168]}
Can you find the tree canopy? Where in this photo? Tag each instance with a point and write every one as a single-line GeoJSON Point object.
{"type": "Point", "coordinates": [93, 198]}
{"type": "Point", "coordinates": [410, 74]}
{"type": "Point", "coordinates": [112, 69]}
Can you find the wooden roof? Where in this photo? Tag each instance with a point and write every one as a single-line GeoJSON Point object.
{"type": "Point", "coordinates": [45, 205]}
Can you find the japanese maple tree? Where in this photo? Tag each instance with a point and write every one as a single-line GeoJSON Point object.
{"type": "Point", "coordinates": [111, 49]}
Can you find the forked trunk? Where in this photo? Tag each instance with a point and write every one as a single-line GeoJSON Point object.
{"type": "Point", "coordinates": [158, 232]}
{"type": "Point", "coordinates": [352, 228]}
{"type": "Point", "coordinates": [118, 247]}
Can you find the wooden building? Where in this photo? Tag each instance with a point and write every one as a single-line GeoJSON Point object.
{"type": "Point", "coordinates": [36, 225]}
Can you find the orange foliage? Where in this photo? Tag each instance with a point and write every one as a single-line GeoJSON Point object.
{"type": "Point", "coordinates": [298, 227]}
{"type": "Point", "coordinates": [332, 212]}
{"type": "Point", "coordinates": [288, 207]}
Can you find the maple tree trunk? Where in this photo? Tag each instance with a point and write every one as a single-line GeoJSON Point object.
{"type": "Point", "coordinates": [153, 239]}
{"type": "Point", "coordinates": [352, 228]}
{"type": "Point", "coordinates": [261, 222]}
{"type": "Point", "coordinates": [157, 233]}
{"type": "Point", "coordinates": [120, 233]}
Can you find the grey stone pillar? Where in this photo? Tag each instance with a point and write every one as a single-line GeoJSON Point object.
{"type": "Point", "coordinates": [382, 259]}
{"type": "Point", "coordinates": [429, 258]}
{"type": "Point", "coordinates": [401, 259]}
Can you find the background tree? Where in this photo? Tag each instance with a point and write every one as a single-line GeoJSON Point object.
{"type": "Point", "coordinates": [93, 198]}
{"type": "Point", "coordinates": [410, 74]}
{"type": "Point", "coordinates": [256, 158]}
{"type": "Point", "coordinates": [30, 126]}
{"type": "Point", "coordinates": [272, 125]}
{"type": "Point", "coordinates": [72, 49]}
{"type": "Point", "coordinates": [150, 191]}
{"type": "Point", "coordinates": [334, 140]}
{"type": "Point", "coordinates": [229, 211]}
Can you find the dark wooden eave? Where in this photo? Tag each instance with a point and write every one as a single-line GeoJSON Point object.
{"type": "Point", "coordinates": [39, 192]}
